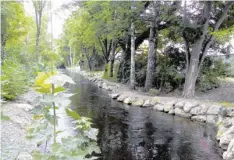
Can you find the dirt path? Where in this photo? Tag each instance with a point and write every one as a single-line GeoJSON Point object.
{"type": "Point", "coordinates": [224, 93]}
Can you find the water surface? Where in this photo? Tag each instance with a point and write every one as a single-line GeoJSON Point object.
{"type": "Point", "coordinates": [134, 133]}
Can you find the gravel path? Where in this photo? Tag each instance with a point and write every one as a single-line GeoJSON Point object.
{"type": "Point", "coordinates": [13, 142]}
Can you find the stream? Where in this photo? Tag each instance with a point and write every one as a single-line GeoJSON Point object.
{"type": "Point", "coordinates": [134, 133]}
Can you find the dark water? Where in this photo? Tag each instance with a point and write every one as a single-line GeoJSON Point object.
{"type": "Point", "coordinates": [133, 133]}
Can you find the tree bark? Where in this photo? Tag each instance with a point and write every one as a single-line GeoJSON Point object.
{"type": "Point", "coordinates": [38, 6]}
{"type": "Point", "coordinates": [112, 57]}
{"type": "Point", "coordinates": [132, 72]}
{"type": "Point", "coordinates": [151, 63]}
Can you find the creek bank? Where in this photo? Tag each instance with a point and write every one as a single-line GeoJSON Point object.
{"type": "Point", "coordinates": [196, 110]}
{"type": "Point", "coordinates": [13, 131]}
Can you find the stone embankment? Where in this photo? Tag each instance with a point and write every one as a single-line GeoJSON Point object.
{"type": "Point", "coordinates": [200, 111]}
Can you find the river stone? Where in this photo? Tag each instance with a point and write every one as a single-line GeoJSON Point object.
{"type": "Point", "coordinates": [179, 104]}
{"type": "Point", "coordinates": [229, 154]}
{"type": "Point", "coordinates": [199, 118]}
{"type": "Point", "coordinates": [172, 112]}
{"type": "Point", "coordinates": [167, 107]}
{"type": "Point", "coordinates": [121, 98]}
{"type": "Point", "coordinates": [226, 138]}
{"type": "Point", "coordinates": [99, 84]}
{"type": "Point", "coordinates": [114, 95]}
{"type": "Point", "coordinates": [230, 112]}
{"type": "Point", "coordinates": [24, 156]}
{"type": "Point", "coordinates": [228, 122]}
{"type": "Point", "coordinates": [223, 112]}
{"type": "Point", "coordinates": [214, 109]}
{"type": "Point", "coordinates": [147, 103]}
{"type": "Point", "coordinates": [199, 110]}
{"type": "Point", "coordinates": [105, 86]}
{"type": "Point", "coordinates": [128, 100]}
{"type": "Point", "coordinates": [188, 106]}
{"type": "Point", "coordinates": [220, 131]}
{"type": "Point", "coordinates": [138, 102]}
{"type": "Point", "coordinates": [24, 106]}
{"type": "Point", "coordinates": [154, 101]}
{"type": "Point", "coordinates": [182, 113]}
{"type": "Point", "coordinates": [159, 107]}
{"type": "Point", "coordinates": [211, 119]}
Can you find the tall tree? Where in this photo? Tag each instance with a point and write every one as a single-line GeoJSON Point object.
{"type": "Point", "coordinates": [133, 52]}
{"type": "Point", "coordinates": [197, 37]}
{"type": "Point", "coordinates": [39, 6]}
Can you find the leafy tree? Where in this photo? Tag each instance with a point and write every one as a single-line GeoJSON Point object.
{"type": "Point", "coordinates": [197, 37]}
{"type": "Point", "coordinates": [39, 6]}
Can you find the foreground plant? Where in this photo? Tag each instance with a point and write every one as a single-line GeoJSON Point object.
{"type": "Point", "coordinates": [43, 129]}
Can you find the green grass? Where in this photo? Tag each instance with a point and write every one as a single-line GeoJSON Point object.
{"type": "Point", "coordinates": [227, 104]}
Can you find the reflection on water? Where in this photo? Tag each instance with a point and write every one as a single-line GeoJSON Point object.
{"type": "Point", "coordinates": [133, 133]}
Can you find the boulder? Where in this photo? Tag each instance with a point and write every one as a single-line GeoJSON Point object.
{"type": "Point", "coordinates": [226, 138]}
{"type": "Point", "coordinates": [179, 104]}
{"type": "Point", "coordinates": [99, 84]}
{"type": "Point", "coordinates": [147, 103]}
{"type": "Point", "coordinates": [188, 106]}
{"type": "Point", "coordinates": [230, 112]}
{"type": "Point", "coordinates": [220, 131]}
{"type": "Point", "coordinates": [128, 100]}
{"type": "Point", "coordinates": [167, 107]}
{"type": "Point", "coordinates": [182, 113]}
{"type": "Point", "coordinates": [199, 118]}
{"type": "Point", "coordinates": [114, 95]}
{"type": "Point", "coordinates": [211, 119]}
{"type": "Point", "coordinates": [104, 86]}
{"type": "Point", "coordinates": [229, 154]}
{"type": "Point", "coordinates": [172, 112]}
{"type": "Point", "coordinates": [214, 109]}
{"type": "Point", "coordinates": [199, 110]}
{"type": "Point", "coordinates": [121, 98]}
{"type": "Point", "coordinates": [154, 101]}
{"type": "Point", "coordinates": [138, 102]}
{"type": "Point", "coordinates": [158, 107]}
{"type": "Point", "coordinates": [223, 112]}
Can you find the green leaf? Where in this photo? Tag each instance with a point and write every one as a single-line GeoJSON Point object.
{"type": "Point", "coordinates": [73, 114]}
{"type": "Point", "coordinates": [59, 89]}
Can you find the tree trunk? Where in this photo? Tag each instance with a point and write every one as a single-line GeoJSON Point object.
{"type": "Point", "coordinates": [89, 63]}
{"type": "Point", "coordinates": [3, 54]}
{"type": "Point", "coordinates": [38, 6]}
{"type": "Point", "coordinates": [112, 58]}
{"type": "Point", "coordinates": [151, 63]}
{"type": "Point", "coordinates": [193, 69]}
{"type": "Point", "coordinates": [132, 72]}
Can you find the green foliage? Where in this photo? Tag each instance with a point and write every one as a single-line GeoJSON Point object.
{"type": "Point", "coordinates": [4, 118]}
{"type": "Point", "coordinates": [211, 74]}
{"type": "Point", "coordinates": [14, 79]}
{"type": "Point", "coordinates": [43, 128]}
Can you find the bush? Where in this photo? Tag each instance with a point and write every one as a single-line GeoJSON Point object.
{"type": "Point", "coordinates": [13, 79]}
{"type": "Point", "coordinates": [210, 74]}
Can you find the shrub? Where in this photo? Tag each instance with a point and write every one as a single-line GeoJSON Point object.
{"type": "Point", "coordinates": [210, 74]}
{"type": "Point", "coordinates": [13, 79]}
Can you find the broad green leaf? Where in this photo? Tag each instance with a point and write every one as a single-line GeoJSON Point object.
{"type": "Point", "coordinates": [72, 114]}
{"type": "Point", "coordinates": [59, 89]}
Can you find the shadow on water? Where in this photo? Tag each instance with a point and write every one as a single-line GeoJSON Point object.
{"type": "Point", "coordinates": [133, 133]}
